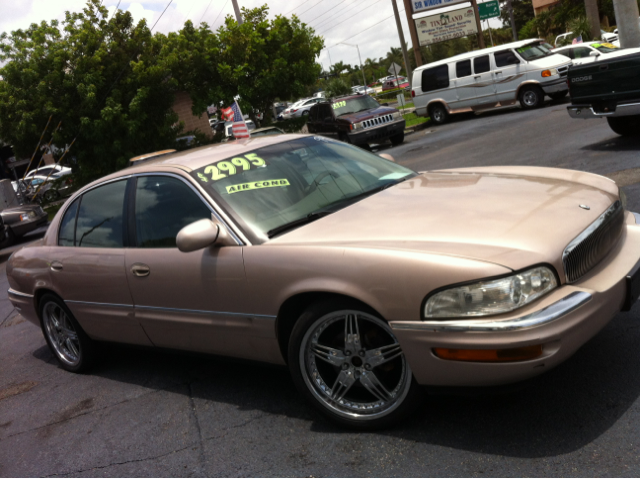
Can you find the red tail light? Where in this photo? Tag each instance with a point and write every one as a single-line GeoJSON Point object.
{"type": "Point", "coordinates": [413, 94]}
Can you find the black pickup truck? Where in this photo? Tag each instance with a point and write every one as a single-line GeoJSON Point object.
{"type": "Point", "coordinates": [608, 89]}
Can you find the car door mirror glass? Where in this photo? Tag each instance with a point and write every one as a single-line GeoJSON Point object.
{"type": "Point", "coordinates": [198, 235]}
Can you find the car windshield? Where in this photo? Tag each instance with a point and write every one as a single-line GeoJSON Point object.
{"type": "Point", "coordinates": [605, 47]}
{"type": "Point", "coordinates": [534, 51]}
{"type": "Point", "coordinates": [354, 105]}
{"type": "Point", "coordinates": [296, 181]}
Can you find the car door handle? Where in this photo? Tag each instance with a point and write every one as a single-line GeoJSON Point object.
{"type": "Point", "coordinates": [140, 270]}
{"type": "Point", "coordinates": [56, 266]}
{"type": "Point", "coordinates": [500, 71]}
{"type": "Point", "coordinates": [479, 76]}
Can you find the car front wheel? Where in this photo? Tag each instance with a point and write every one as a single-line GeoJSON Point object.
{"type": "Point", "coordinates": [349, 364]}
{"type": "Point", "coordinates": [71, 346]}
{"type": "Point", "coordinates": [531, 97]}
{"type": "Point", "coordinates": [438, 114]}
{"type": "Point", "coordinates": [625, 125]}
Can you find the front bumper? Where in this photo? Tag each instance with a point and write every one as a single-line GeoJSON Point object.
{"type": "Point", "coordinates": [555, 86]}
{"type": "Point", "coordinates": [587, 112]}
{"type": "Point", "coordinates": [561, 322]}
{"type": "Point", "coordinates": [377, 133]}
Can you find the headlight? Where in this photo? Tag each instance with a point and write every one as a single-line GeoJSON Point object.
{"type": "Point", "coordinates": [24, 217]}
{"type": "Point", "coordinates": [397, 115]}
{"type": "Point", "coordinates": [355, 126]}
{"type": "Point", "coordinates": [493, 296]}
{"type": "Point", "coordinates": [549, 73]}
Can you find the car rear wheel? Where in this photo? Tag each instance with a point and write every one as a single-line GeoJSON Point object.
{"type": "Point", "coordinates": [51, 195]}
{"type": "Point", "coordinates": [438, 114]}
{"type": "Point", "coordinates": [531, 97]}
{"type": "Point", "coordinates": [71, 346]}
{"type": "Point", "coordinates": [625, 125]}
{"type": "Point", "coordinates": [348, 363]}
{"type": "Point", "coordinates": [397, 139]}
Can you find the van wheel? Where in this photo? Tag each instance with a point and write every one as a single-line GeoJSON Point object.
{"type": "Point", "coordinates": [438, 114]}
{"type": "Point", "coordinates": [625, 125]}
{"type": "Point", "coordinates": [531, 97]}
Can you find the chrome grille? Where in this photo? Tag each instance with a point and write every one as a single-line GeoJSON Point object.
{"type": "Point", "coordinates": [377, 121]}
{"type": "Point", "coordinates": [562, 71]}
{"type": "Point", "coordinates": [593, 244]}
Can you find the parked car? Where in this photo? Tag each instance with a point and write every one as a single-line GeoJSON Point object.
{"type": "Point", "coordinates": [608, 89]}
{"type": "Point", "coordinates": [20, 220]}
{"type": "Point", "coordinates": [523, 72]}
{"type": "Point", "coordinates": [362, 90]}
{"type": "Point", "coordinates": [52, 171]}
{"type": "Point", "coordinates": [593, 51]}
{"type": "Point", "coordinates": [301, 108]}
{"type": "Point", "coordinates": [394, 84]}
{"type": "Point", "coordinates": [366, 278]}
{"type": "Point", "coordinates": [286, 114]}
{"type": "Point", "coordinates": [357, 119]}
{"type": "Point", "coordinates": [266, 131]}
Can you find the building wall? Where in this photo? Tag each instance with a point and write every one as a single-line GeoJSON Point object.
{"type": "Point", "coordinates": [182, 106]}
{"type": "Point", "coordinates": [540, 6]}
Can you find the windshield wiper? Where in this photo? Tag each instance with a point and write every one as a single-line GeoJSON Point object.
{"type": "Point", "coordinates": [314, 215]}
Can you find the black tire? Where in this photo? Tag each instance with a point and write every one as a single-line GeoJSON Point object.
{"type": "Point", "coordinates": [51, 195]}
{"type": "Point", "coordinates": [305, 113]}
{"type": "Point", "coordinates": [344, 137]}
{"type": "Point", "coordinates": [438, 113]}
{"type": "Point", "coordinates": [531, 97]}
{"type": "Point", "coordinates": [625, 125]}
{"type": "Point", "coordinates": [369, 397]}
{"type": "Point", "coordinates": [68, 342]}
{"type": "Point", "coordinates": [397, 139]}
{"type": "Point", "coordinates": [10, 239]}
{"type": "Point", "coordinates": [558, 95]}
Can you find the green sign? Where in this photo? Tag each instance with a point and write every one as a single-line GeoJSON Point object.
{"type": "Point", "coordinates": [489, 9]}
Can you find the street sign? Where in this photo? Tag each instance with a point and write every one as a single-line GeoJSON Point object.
{"type": "Point", "coordinates": [394, 69]}
{"type": "Point", "coordinates": [445, 26]}
{"type": "Point", "coordinates": [489, 9]}
{"type": "Point", "coordinates": [423, 5]}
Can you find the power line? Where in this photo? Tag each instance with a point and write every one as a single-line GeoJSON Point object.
{"type": "Point", "coordinates": [326, 21]}
{"type": "Point", "coordinates": [368, 28]}
{"type": "Point", "coordinates": [165, 9]}
{"type": "Point", "coordinates": [205, 11]}
{"type": "Point", "coordinates": [305, 1]}
{"type": "Point", "coordinates": [220, 13]}
{"type": "Point", "coordinates": [339, 23]}
{"type": "Point", "coordinates": [309, 8]}
{"type": "Point", "coordinates": [330, 9]}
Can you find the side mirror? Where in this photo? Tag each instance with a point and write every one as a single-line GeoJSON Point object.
{"type": "Point", "coordinates": [200, 234]}
{"type": "Point", "coordinates": [387, 156]}
{"type": "Point", "coordinates": [594, 54]}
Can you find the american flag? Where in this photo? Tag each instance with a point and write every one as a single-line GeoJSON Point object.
{"type": "Point", "coordinates": [239, 127]}
{"type": "Point", "coordinates": [577, 40]}
{"type": "Point", "coordinates": [227, 114]}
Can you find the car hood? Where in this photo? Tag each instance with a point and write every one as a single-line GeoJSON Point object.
{"type": "Point", "coordinates": [367, 114]}
{"type": "Point", "coordinates": [19, 210]}
{"type": "Point", "coordinates": [552, 61]}
{"type": "Point", "coordinates": [514, 217]}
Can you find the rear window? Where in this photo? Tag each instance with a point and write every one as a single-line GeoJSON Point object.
{"type": "Point", "coordinates": [463, 68]}
{"type": "Point", "coordinates": [435, 78]}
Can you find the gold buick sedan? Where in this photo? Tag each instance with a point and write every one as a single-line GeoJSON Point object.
{"type": "Point", "coordinates": [367, 279]}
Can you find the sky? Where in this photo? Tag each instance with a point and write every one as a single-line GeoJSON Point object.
{"type": "Point", "coordinates": [369, 25]}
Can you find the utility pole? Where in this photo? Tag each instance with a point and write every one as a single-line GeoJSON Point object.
{"type": "Point", "coordinates": [237, 10]}
{"type": "Point", "coordinates": [591, 7]}
{"type": "Point", "coordinates": [412, 30]}
{"type": "Point", "coordinates": [513, 21]}
{"type": "Point", "coordinates": [405, 56]}
{"type": "Point", "coordinates": [627, 20]}
{"type": "Point", "coordinates": [360, 59]}
{"type": "Point", "coordinates": [476, 15]}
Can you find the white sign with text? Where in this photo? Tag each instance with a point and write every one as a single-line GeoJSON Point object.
{"type": "Point", "coordinates": [445, 26]}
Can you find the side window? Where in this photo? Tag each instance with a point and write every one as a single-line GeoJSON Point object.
{"type": "Point", "coordinates": [567, 53]}
{"type": "Point", "coordinates": [164, 206]}
{"type": "Point", "coordinates": [100, 218]}
{"type": "Point", "coordinates": [505, 58]}
{"type": "Point", "coordinates": [463, 68]}
{"type": "Point", "coordinates": [68, 225]}
{"type": "Point", "coordinates": [481, 64]}
{"type": "Point", "coordinates": [581, 52]}
{"type": "Point", "coordinates": [313, 113]}
{"type": "Point", "coordinates": [435, 78]}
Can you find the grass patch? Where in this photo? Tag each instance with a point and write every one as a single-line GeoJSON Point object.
{"type": "Point", "coordinates": [412, 119]}
{"type": "Point", "coordinates": [406, 105]}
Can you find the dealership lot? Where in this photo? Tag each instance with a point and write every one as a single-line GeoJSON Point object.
{"type": "Point", "coordinates": [156, 413]}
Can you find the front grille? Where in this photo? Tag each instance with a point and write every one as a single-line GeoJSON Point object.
{"type": "Point", "coordinates": [563, 71]}
{"type": "Point", "coordinates": [377, 121]}
{"type": "Point", "coordinates": [593, 244]}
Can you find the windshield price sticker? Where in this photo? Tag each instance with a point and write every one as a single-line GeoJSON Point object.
{"type": "Point", "coordinates": [222, 169]}
{"type": "Point", "coordinates": [256, 185]}
{"type": "Point", "coordinates": [339, 104]}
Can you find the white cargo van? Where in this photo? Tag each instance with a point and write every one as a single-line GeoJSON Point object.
{"type": "Point", "coordinates": [495, 77]}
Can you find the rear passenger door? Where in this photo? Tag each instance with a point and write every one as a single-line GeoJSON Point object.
{"type": "Point", "coordinates": [485, 85]}
{"type": "Point", "coordinates": [509, 73]}
{"type": "Point", "coordinates": [465, 85]}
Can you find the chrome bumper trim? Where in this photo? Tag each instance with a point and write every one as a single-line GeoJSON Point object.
{"type": "Point", "coordinates": [554, 311]}
{"type": "Point", "coordinates": [587, 112]}
{"type": "Point", "coordinates": [18, 293]}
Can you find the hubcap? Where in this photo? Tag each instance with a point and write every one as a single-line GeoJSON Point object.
{"type": "Point", "coordinates": [353, 364]}
{"type": "Point", "coordinates": [61, 334]}
{"type": "Point", "coordinates": [530, 98]}
{"type": "Point", "coordinates": [438, 115]}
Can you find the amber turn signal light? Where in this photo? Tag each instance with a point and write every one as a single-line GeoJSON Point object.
{"type": "Point", "coordinates": [546, 73]}
{"type": "Point", "coordinates": [490, 355]}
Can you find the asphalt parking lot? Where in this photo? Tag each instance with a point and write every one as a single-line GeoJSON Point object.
{"type": "Point", "coordinates": [157, 413]}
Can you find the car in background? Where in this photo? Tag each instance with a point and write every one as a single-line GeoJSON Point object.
{"type": "Point", "coordinates": [301, 108]}
{"type": "Point", "coordinates": [362, 90]}
{"type": "Point", "coordinates": [593, 51]}
{"type": "Point", "coordinates": [394, 84]}
{"type": "Point", "coordinates": [357, 119]}
{"type": "Point", "coordinates": [266, 131]}
{"type": "Point", "coordinates": [568, 37]}
{"type": "Point", "coordinates": [20, 220]}
{"type": "Point", "coordinates": [52, 171]}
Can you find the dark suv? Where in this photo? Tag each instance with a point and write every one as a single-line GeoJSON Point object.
{"type": "Point", "coordinates": [357, 119]}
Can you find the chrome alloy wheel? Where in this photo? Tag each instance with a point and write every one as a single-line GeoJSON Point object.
{"type": "Point", "coordinates": [61, 333]}
{"type": "Point", "coordinates": [530, 98]}
{"type": "Point", "coordinates": [353, 364]}
{"type": "Point", "coordinates": [438, 115]}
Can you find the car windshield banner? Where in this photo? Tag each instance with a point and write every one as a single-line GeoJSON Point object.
{"type": "Point", "coordinates": [445, 26]}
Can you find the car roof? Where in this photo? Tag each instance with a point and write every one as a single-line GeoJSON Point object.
{"type": "Point", "coordinates": [484, 51]}
{"type": "Point", "coordinates": [576, 45]}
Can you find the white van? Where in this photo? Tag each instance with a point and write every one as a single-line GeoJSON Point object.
{"type": "Point", "coordinates": [495, 77]}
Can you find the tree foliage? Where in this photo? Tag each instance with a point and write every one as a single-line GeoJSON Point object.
{"type": "Point", "coordinates": [99, 76]}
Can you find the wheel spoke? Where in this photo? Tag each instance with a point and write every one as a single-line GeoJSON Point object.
{"type": "Point", "coordinates": [343, 383]}
{"type": "Point", "coordinates": [378, 356]}
{"type": "Point", "coordinates": [72, 348]}
{"type": "Point", "coordinates": [372, 384]}
{"type": "Point", "coordinates": [333, 356]}
{"type": "Point", "coordinates": [351, 333]}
